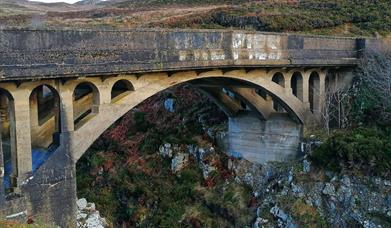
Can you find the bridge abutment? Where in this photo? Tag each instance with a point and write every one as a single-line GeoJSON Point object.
{"type": "Point", "coordinates": [261, 141]}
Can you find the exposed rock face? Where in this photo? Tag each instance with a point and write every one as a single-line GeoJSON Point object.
{"type": "Point", "coordinates": [342, 201]}
{"type": "Point", "coordinates": [204, 156]}
{"type": "Point", "coordinates": [87, 216]}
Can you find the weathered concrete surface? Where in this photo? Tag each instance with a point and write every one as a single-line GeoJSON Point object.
{"type": "Point", "coordinates": [51, 191]}
{"type": "Point", "coordinates": [260, 141]}
{"type": "Point", "coordinates": [69, 53]}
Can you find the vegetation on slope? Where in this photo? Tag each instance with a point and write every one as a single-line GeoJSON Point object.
{"type": "Point", "coordinates": [345, 17]}
{"type": "Point", "coordinates": [133, 185]}
{"type": "Point", "coordinates": [363, 144]}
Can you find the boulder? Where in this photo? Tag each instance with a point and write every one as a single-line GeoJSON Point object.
{"type": "Point", "coordinates": [179, 161]}
{"type": "Point", "coordinates": [166, 150]}
{"type": "Point", "coordinates": [81, 203]}
{"type": "Point", "coordinates": [329, 189]}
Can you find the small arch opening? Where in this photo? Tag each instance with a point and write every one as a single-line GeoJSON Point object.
{"type": "Point", "coordinates": [120, 89]}
{"type": "Point", "coordinates": [85, 103]}
{"type": "Point", "coordinates": [297, 85]}
{"type": "Point", "coordinates": [279, 79]}
{"type": "Point", "coordinates": [314, 88]}
{"type": "Point", "coordinates": [8, 156]}
{"type": "Point", "coordinates": [44, 123]}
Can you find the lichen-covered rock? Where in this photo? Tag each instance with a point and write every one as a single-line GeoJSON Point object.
{"type": "Point", "coordinates": [329, 189]}
{"type": "Point", "coordinates": [179, 161]}
{"type": "Point", "coordinates": [81, 203]}
{"type": "Point", "coordinates": [87, 216]}
{"type": "Point", "coordinates": [166, 150]}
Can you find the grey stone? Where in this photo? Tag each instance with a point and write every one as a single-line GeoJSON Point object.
{"type": "Point", "coordinates": [290, 176]}
{"type": "Point", "coordinates": [81, 203]}
{"type": "Point", "coordinates": [248, 179]}
{"type": "Point", "coordinates": [297, 190]}
{"type": "Point", "coordinates": [329, 189]}
{"type": "Point", "coordinates": [306, 166]}
{"type": "Point", "coordinates": [346, 181]}
{"type": "Point", "coordinates": [279, 213]}
{"type": "Point", "coordinates": [165, 150]}
{"type": "Point", "coordinates": [94, 221]}
{"type": "Point", "coordinates": [179, 161]}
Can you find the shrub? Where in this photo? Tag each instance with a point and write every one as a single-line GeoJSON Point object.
{"type": "Point", "coordinates": [141, 123]}
{"type": "Point", "coordinates": [366, 150]}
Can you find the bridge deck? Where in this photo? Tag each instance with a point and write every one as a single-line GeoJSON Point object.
{"type": "Point", "coordinates": [30, 54]}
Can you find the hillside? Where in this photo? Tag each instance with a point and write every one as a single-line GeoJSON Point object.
{"type": "Point", "coordinates": [343, 18]}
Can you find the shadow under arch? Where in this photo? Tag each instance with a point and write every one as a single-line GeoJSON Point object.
{"type": "Point", "coordinates": [297, 85]}
{"type": "Point", "coordinates": [8, 155]}
{"type": "Point", "coordinates": [85, 103]}
{"type": "Point", "coordinates": [44, 123]}
{"type": "Point", "coordinates": [120, 89]}
{"type": "Point", "coordinates": [313, 93]}
{"type": "Point", "coordinates": [98, 125]}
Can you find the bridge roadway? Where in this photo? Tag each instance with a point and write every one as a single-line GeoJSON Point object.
{"type": "Point", "coordinates": [86, 80]}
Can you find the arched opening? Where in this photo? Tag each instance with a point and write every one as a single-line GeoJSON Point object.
{"type": "Point", "coordinates": [330, 81]}
{"type": "Point", "coordinates": [314, 88]}
{"type": "Point", "coordinates": [278, 78]}
{"type": "Point", "coordinates": [85, 103]}
{"type": "Point", "coordinates": [8, 159]}
{"type": "Point", "coordinates": [120, 89]}
{"type": "Point", "coordinates": [297, 85]}
{"type": "Point", "coordinates": [44, 123]}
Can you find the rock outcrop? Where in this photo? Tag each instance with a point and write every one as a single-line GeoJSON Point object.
{"type": "Point", "coordinates": [87, 215]}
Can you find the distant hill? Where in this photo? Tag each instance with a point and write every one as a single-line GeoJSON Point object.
{"type": "Point", "coordinates": [327, 17]}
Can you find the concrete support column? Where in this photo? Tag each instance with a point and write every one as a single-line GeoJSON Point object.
{"type": "Point", "coordinates": [322, 90]}
{"type": "Point", "coordinates": [104, 93]}
{"type": "Point", "coordinates": [306, 88]}
{"type": "Point", "coordinates": [287, 83]}
{"type": "Point", "coordinates": [23, 134]}
{"type": "Point", "coordinates": [66, 109]}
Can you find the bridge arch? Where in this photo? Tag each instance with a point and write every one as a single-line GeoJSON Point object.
{"type": "Point", "coordinates": [120, 89]}
{"type": "Point", "coordinates": [96, 126]}
{"type": "Point", "coordinates": [86, 101]}
{"type": "Point", "coordinates": [279, 79]}
{"type": "Point", "coordinates": [297, 85]}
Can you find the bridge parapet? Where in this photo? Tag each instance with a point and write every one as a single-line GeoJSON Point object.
{"type": "Point", "coordinates": [27, 54]}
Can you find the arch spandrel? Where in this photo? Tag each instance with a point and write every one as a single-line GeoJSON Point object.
{"type": "Point", "coordinates": [108, 114]}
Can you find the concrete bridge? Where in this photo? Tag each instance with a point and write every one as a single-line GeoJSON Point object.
{"type": "Point", "coordinates": [60, 90]}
